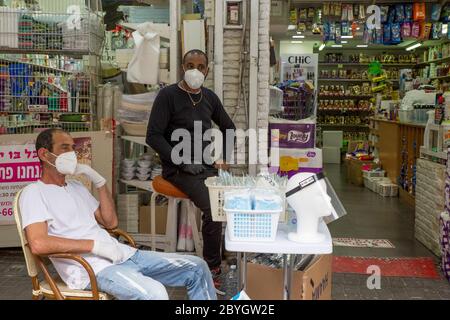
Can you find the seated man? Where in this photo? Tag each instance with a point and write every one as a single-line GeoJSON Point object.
{"type": "Point", "coordinates": [186, 106]}
{"type": "Point", "coordinates": [61, 216]}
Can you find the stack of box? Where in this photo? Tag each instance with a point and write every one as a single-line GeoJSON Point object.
{"type": "Point", "coordinates": [332, 144]}
{"type": "Point", "coordinates": [128, 212]}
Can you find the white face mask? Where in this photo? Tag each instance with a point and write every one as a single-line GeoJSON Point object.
{"type": "Point", "coordinates": [66, 162]}
{"type": "Point", "coordinates": [194, 78]}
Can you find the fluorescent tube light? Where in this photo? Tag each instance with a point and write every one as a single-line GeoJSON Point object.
{"type": "Point", "coordinates": [414, 46]}
{"type": "Point", "coordinates": [322, 46]}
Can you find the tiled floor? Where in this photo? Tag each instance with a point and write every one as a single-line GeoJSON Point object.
{"type": "Point", "coordinates": [369, 216]}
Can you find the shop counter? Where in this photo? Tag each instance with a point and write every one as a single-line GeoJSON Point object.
{"type": "Point", "coordinates": [281, 245]}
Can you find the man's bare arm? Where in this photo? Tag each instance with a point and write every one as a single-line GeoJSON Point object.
{"type": "Point", "coordinates": [106, 214]}
{"type": "Point", "coordinates": [43, 244]}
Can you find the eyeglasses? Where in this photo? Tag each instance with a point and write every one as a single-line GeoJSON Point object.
{"type": "Point", "coordinates": [306, 183]}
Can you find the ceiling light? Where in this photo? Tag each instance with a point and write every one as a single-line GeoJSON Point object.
{"type": "Point", "coordinates": [298, 37]}
{"type": "Point", "coordinates": [444, 28]}
{"type": "Point", "coordinates": [344, 42]}
{"type": "Point", "coordinates": [347, 37]}
{"type": "Point", "coordinates": [322, 46]}
{"type": "Point", "coordinates": [362, 45]}
{"type": "Point", "coordinates": [336, 45]}
{"type": "Point", "coordinates": [292, 27]}
{"type": "Point", "coordinates": [358, 28]}
{"type": "Point", "coordinates": [299, 32]}
{"type": "Point", "coordinates": [414, 46]}
{"type": "Point", "coordinates": [296, 41]}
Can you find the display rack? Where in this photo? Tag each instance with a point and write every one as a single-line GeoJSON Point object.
{"type": "Point", "coordinates": [49, 65]}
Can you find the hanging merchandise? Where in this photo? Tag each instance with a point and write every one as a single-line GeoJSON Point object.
{"type": "Point", "coordinates": [399, 13]}
{"type": "Point", "coordinates": [293, 17]}
{"type": "Point", "coordinates": [415, 30]}
{"type": "Point", "coordinates": [436, 11]}
{"type": "Point", "coordinates": [362, 12]}
{"type": "Point", "coordinates": [419, 11]}
{"type": "Point", "coordinates": [144, 66]}
{"type": "Point", "coordinates": [436, 31]}
{"type": "Point", "coordinates": [326, 9]}
{"type": "Point", "coordinates": [408, 12]}
{"type": "Point", "coordinates": [396, 36]}
{"type": "Point", "coordinates": [338, 32]}
{"type": "Point", "coordinates": [384, 13]}
{"type": "Point", "coordinates": [406, 30]}
{"type": "Point", "coordinates": [426, 31]}
{"type": "Point", "coordinates": [350, 12]}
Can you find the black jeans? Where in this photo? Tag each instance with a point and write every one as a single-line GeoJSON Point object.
{"type": "Point", "coordinates": [194, 187]}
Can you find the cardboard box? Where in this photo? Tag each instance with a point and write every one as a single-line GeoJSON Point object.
{"type": "Point", "coordinates": [314, 283]}
{"type": "Point", "coordinates": [355, 145]}
{"type": "Point", "coordinates": [331, 154]}
{"type": "Point", "coordinates": [332, 138]}
{"type": "Point", "coordinates": [292, 134]}
{"type": "Point", "coordinates": [145, 221]}
{"type": "Point", "coordinates": [293, 161]}
{"type": "Point", "coordinates": [354, 170]}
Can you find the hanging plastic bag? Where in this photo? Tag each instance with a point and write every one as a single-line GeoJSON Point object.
{"type": "Point", "coordinates": [144, 66]}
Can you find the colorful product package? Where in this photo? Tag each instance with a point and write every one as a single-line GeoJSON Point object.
{"type": "Point", "coordinates": [384, 13]}
{"type": "Point", "coordinates": [427, 31]}
{"type": "Point", "coordinates": [326, 31]}
{"type": "Point", "coordinates": [332, 32]}
{"type": "Point", "coordinates": [345, 28]}
{"type": "Point", "coordinates": [310, 13]}
{"type": "Point", "coordinates": [292, 134]}
{"type": "Point", "coordinates": [391, 14]}
{"type": "Point", "coordinates": [367, 35]}
{"type": "Point", "coordinates": [415, 29]}
{"type": "Point", "coordinates": [419, 13]}
{"type": "Point", "coordinates": [293, 161]}
{"type": "Point", "coordinates": [379, 36]}
{"type": "Point", "coordinates": [326, 9]}
{"type": "Point", "coordinates": [436, 12]}
{"type": "Point", "coordinates": [399, 13]}
{"type": "Point", "coordinates": [293, 17]}
{"type": "Point", "coordinates": [356, 10]}
{"type": "Point", "coordinates": [338, 32]}
{"type": "Point", "coordinates": [387, 33]}
{"type": "Point", "coordinates": [436, 31]}
{"type": "Point", "coordinates": [344, 14]}
{"type": "Point", "coordinates": [303, 14]}
{"type": "Point", "coordinates": [354, 28]}
{"type": "Point", "coordinates": [396, 33]}
{"type": "Point", "coordinates": [362, 12]}
{"type": "Point", "coordinates": [408, 11]}
{"type": "Point", "coordinates": [350, 12]}
{"type": "Point", "coordinates": [406, 29]}
{"type": "Point", "coordinates": [337, 9]}
{"type": "Point", "coordinates": [445, 13]}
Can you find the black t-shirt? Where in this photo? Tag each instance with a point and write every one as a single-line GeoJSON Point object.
{"type": "Point", "coordinates": [172, 110]}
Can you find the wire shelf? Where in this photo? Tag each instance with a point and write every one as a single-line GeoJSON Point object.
{"type": "Point", "coordinates": [49, 26]}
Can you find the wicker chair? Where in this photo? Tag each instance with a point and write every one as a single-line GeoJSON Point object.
{"type": "Point", "coordinates": [54, 287]}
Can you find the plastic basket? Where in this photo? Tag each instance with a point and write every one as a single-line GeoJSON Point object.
{"type": "Point", "coordinates": [252, 225]}
{"type": "Point", "coordinates": [216, 198]}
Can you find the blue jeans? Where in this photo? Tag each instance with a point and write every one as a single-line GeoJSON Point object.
{"type": "Point", "coordinates": [143, 276]}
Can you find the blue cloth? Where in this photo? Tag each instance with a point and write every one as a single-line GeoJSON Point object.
{"type": "Point", "coordinates": [143, 276]}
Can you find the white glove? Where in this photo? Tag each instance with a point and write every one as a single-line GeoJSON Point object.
{"type": "Point", "coordinates": [95, 177]}
{"type": "Point", "coordinates": [110, 251]}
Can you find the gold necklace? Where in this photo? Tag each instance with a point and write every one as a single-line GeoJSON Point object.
{"type": "Point", "coordinates": [190, 97]}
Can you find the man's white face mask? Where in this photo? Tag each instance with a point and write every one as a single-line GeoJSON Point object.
{"type": "Point", "coordinates": [194, 78]}
{"type": "Point", "coordinates": [66, 162]}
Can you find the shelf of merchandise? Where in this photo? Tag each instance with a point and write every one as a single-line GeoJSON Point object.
{"type": "Point", "coordinates": [437, 61]}
{"type": "Point", "coordinates": [343, 125]}
{"type": "Point", "coordinates": [441, 77]}
{"type": "Point", "coordinates": [344, 111]}
{"type": "Point", "coordinates": [41, 67]}
{"type": "Point", "coordinates": [347, 97]}
{"type": "Point", "coordinates": [365, 64]}
{"type": "Point", "coordinates": [353, 80]}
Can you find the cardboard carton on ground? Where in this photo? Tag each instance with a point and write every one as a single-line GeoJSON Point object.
{"type": "Point", "coordinates": [354, 170]}
{"type": "Point", "coordinates": [314, 283]}
{"type": "Point", "coordinates": [145, 221]}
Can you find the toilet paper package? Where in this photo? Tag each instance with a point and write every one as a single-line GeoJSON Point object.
{"type": "Point", "coordinates": [292, 161]}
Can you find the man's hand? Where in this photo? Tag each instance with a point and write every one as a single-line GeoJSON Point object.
{"type": "Point", "coordinates": [108, 251]}
{"type": "Point", "coordinates": [93, 175]}
{"type": "Point", "coordinates": [193, 169]}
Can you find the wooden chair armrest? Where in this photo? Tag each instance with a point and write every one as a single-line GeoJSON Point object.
{"type": "Point", "coordinates": [84, 264]}
{"type": "Point", "coordinates": [120, 233]}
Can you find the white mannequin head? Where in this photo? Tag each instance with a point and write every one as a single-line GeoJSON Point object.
{"type": "Point", "coordinates": [310, 204]}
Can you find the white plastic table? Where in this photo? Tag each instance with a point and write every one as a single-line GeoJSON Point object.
{"type": "Point", "coordinates": [281, 245]}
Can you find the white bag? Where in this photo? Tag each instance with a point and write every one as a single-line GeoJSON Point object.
{"type": "Point", "coordinates": [144, 66]}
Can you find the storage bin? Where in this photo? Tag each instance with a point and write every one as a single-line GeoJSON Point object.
{"type": "Point", "coordinates": [252, 225]}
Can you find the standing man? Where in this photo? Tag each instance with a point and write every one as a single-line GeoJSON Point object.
{"type": "Point", "coordinates": [186, 105]}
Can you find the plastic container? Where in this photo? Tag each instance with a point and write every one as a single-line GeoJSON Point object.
{"type": "Point", "coordinates": [135, 128]}
{"type": "Point", "coordinates": [406, 115]}
{"type": "Point", "coordinates": [216, 198]}
{"type": "Point", "coordinates": [252, 225]}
